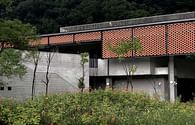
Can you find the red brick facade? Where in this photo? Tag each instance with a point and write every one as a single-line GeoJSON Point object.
{"type": "Point", "coordinates": [173, 39]}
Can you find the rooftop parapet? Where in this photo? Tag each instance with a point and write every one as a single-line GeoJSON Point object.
{"type": "Point", "coordinates": [152, 20]}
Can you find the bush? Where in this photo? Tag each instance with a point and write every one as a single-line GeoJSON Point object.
{"type": "Point", "coordinates": [96, 108]}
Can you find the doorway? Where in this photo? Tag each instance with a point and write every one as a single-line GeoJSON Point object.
{"type": "Point", "coordinates": [186, 89]}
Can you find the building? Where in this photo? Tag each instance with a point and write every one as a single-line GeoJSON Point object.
{"type": "Point", "coordinates": [163, 66]}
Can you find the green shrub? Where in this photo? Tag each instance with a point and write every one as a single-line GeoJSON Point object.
{"type": "Point", "coordinates": [96, 108]}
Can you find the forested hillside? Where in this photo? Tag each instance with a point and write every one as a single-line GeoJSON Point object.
{"type": "Point", "coordinates": [49, 15]}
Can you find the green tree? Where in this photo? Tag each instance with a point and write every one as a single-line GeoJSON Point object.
{"type": "Point", "coordinates": [83, 61]}
{"type": "Point", "coordinates": [5, 7]}
{"type": "Point", "coordinates": [10, 63]}
{"type": "Point", "coordinates": [33, 56]}
{"type": "Point", "coordinates": [49, 58]}
{"type": "Point", "coordinates": [123, 48]}
{"type": "Point", "coordinates": [14, 36]}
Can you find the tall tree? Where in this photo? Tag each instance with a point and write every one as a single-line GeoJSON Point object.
{"type": "Point", "coordinates": [14, 35]}
{"type": "Point", "coordinates": [83, 61]}
{"type": "Point", "coordinates": [123, 48]}
{"type": "Point", "coordinates": [33, 57]}
{"type": "Point", "coordinates": [49, 57]}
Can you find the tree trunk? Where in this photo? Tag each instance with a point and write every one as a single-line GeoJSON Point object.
{"type": "Point", "coordinates": [83, 67]}
{"type": "Point", "coordinates": [47, 77]}
{"type": "Point", "coordinates": [131, 82]}
{"type": "Point", "coordinates": [82, 90]}
{"type": "Point", "coordinates": [47, 74]}
{"type": "Point", "coordinates": [33, 82]}
{"type": "Point", "coordinates": [83, 71]}
{"type": "Point", "coordinates": [127, 86]}
{"type": "Point", "coordinates": [46, 89]}
{"type": "Point", "coordinates": [2, 47]}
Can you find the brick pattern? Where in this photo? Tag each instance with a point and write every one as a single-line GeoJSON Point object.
{"type": "Point", "coordinates": [114, 37]}
{"type": "Point", "coordinates": [42, 41]}
{"type": "Point", "coordinates": [88, 37]}
{"type": "Point", "coordinates": [152, 39]}
{"type": "Point", "coordinates": [63, 39]}
{"type": "Point", "coordinates": [181, 38]}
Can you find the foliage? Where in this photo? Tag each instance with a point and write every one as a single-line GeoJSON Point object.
{"type": "Point", "coordinates": [84, 58]}
{"type": "Point", "coordinates": [52, 14]}
{"type": "Point", "coordinates": [83, 61]}
{"type": "Point", "coordinates": [5, 7]}
{"type": "Point", "coordinates": [16, 35]}
{"type": "Point", "coordinates": [81, 83]}
{"type": "Point", "coordinates": [10, 63]}
{"type": "Point", "coordinates": [121, 50]}
{"type": "Point", "coordinates": [125, 46]}
{"type": "Point", "coordinates": [97, 108]}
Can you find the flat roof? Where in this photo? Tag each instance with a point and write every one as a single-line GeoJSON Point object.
{"type": "Point", "coordinates": [128, 23]}
{"type": "Point", "coordinates": [152, 20]}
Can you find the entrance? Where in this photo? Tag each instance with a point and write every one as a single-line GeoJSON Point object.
{"type": "Point", "coordinates": [186, 89]}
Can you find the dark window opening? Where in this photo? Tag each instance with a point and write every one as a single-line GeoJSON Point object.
{"type": "Point", "coordinates": [186, 89]}
{"type": "Point", "coordinates": [97, 83]}
{"type": "Point", "coordinates": [1, 88]}
{"type": "Point", "coordinates": [9, 88]}
{"type": "Point", "coordinates": [93, 63]}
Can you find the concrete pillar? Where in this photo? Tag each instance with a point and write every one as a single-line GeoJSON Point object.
{"type": "Point", "coordinates": [108, 82]}
{"type": "Point", "coordinates": [172, 83]}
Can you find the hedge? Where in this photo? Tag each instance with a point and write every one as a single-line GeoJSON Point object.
{"type": "Point", "coordinates": [96, 108]}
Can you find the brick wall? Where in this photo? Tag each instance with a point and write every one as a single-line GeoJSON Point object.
{"type": "Point", "coordinates": [157, 40]}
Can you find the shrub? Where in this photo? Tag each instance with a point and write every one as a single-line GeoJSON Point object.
{"type": "Point", "coordinates": [96, 108]}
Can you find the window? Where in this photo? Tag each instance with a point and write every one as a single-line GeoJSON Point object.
{"type": "Point", "coordinates": [93, 63]}
{"type": "Point", "coordinates": [1, 88]}
{"type": "Point", "coordinates": [93, 60]}
{"type": "Point", "coordinates": [9, 88]}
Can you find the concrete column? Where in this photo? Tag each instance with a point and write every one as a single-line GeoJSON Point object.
{"type": "Point", "coordinates": [108, 82]}
{"type": "Point", "coordinates": [172, 83]}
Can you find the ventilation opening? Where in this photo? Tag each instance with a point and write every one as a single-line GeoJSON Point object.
{"type": "Point", "coordinates": [186, 89]}
{"type": "Point", "coordinates": [9, 88]}
{"type": "Point", "coordinates": [1, 88]}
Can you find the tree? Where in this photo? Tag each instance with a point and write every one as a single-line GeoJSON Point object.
{"type": "Point", "coordinates": [49, 58]}
{"type": "Point", "coordinates": [83, 61]}
{"type": "Point", "coordinates": [123, 48]}
{"type": "Point", "coordinates": [33, 56]}
{"type": "Point", "coordinates": [5, 7]}
{"type": "Point", "coordinates": [14, 36]}
{"type": "Point", "coordinates": [52, 14]}
{"type": "Point", "coordinates": [11, 63]}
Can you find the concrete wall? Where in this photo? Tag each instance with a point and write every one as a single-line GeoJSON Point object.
{"type": "Point", "coordinates": [145, 66]}
{"type": "Point", "coordinates": [101, 70]}
{"type": "Point", "coordinates": [116, 68]}
{"type": "Point", "coordinates": [145, 85]}
{"type": "Point", "coordinates": [65, 70]}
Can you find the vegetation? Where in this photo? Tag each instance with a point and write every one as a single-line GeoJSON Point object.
{"type": "Point", "coordinates": [49, 15]}
{"type": "Point", "coordinates": [49, 58]}
{"type": "Point", "coordinates": [83, 61]}
{"type": "Point", "coordinates": [14, 35]}
{"type": "Point", "coordinates": [33, 56]}
{"type": "Point", "coordinates": [96, 108]}
{"type": "Point", "coordinates": [121, 50]}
